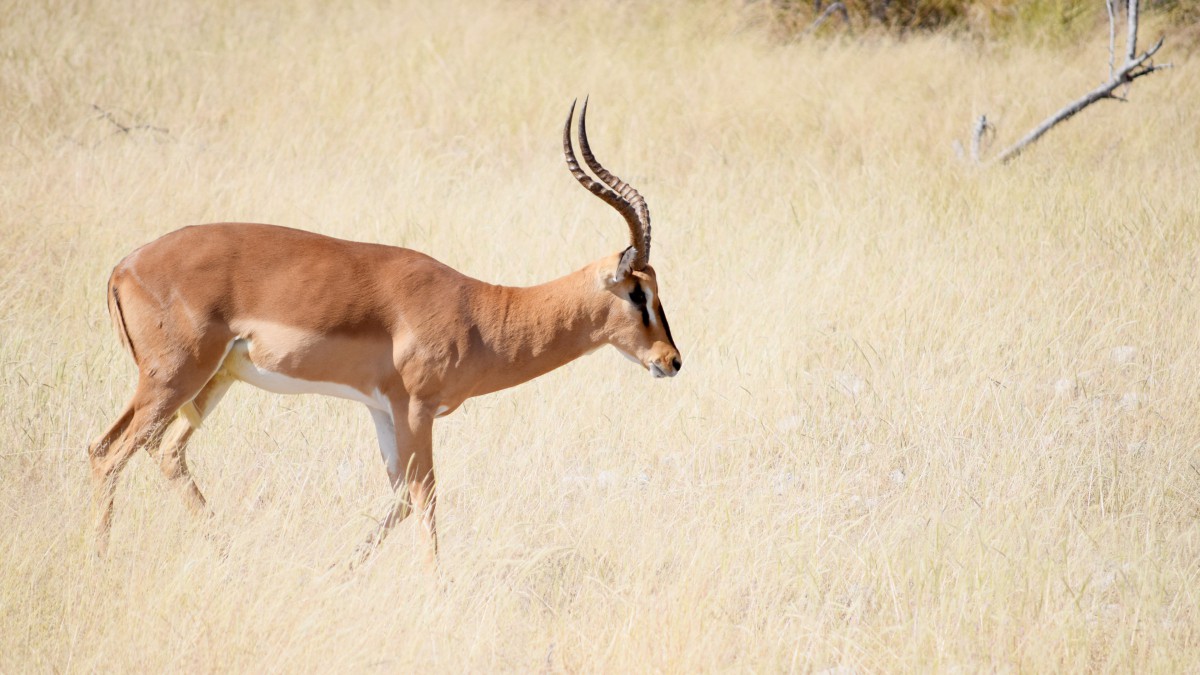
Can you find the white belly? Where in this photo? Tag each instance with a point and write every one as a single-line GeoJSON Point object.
{"type": "Point", "coordinates": [239, 365]}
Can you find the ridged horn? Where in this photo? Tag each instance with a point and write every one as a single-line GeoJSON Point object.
{"type": "Point", "coordinates": [625, 199]}
{"type": "Point", "coordinates": [641, 235]}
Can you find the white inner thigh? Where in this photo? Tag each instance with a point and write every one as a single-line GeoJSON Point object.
{"type": "Point", "coordinates": [385, 429]}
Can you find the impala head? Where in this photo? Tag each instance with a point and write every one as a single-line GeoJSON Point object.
{"type": "Point", "coordinates": [636, 324]}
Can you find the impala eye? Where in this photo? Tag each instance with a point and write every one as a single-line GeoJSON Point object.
{"type": "Point", "coordinates": [638, 297]}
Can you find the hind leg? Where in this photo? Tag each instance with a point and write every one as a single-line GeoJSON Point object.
{"type": "Point", "coordinates": [103, 453]}
{"type": "Point", "coordinates": [142, 423]}
{"type": "Point", "coordinates": [172, 453]}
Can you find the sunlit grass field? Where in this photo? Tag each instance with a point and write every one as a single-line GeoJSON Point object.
{"type": "Point", "coordinates": [932, 417]}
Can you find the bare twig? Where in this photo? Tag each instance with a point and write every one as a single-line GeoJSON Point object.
{"type": "Point", "coordinates": [125, 128]}
{"type": "Point", "coordinates": [838, 7]}
{"type": "Point", "coordinates": [1135, 66]}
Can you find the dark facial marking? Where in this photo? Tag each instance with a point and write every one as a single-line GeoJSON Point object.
{"type": "Point", "coordinates": [638, 297]}
{"type": "Point", "coordinates": [666, 326]}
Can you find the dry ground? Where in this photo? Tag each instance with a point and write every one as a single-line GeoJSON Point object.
{"type": "Point", "coordinates": [932, 418]}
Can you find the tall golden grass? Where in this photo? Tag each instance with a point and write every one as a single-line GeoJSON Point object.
{"type": "Point", "coordinates": [932, 417]}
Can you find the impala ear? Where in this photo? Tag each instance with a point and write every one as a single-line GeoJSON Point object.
{"type": "Point", "coordinates": [624, 266]}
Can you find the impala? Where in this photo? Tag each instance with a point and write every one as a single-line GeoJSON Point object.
{"type": "Point", "coordinates": [296, 312]}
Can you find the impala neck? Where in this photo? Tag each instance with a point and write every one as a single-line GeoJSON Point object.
{"type": "Point", "coordinates": [531, 331]}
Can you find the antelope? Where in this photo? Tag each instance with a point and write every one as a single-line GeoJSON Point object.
{"type": "Point", "coordinates": [295, 312]}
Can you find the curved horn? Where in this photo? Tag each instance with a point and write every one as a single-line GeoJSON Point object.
{"type": "Point", "coordinates": [638, 236]}
{"type": "Point", "coordinates": [641, 234]}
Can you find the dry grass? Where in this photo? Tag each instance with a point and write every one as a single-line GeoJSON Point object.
{"type": "Point", "coordinates": [931, 419]}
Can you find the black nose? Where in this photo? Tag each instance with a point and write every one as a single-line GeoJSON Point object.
{"type": "Point", "coordinates": [676, 364]}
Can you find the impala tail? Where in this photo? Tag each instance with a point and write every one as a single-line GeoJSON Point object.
{"type": "Point", "coordinates": [118, 318]}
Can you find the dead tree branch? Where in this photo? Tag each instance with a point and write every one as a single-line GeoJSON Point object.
{"type": "Point", "coordinates": [982, 127]}
{"type": "Point", "coordinates": [1111, 7]}
{"type": "Point", "coordinates": [838, 7]}
{"type": "Point", "coordinates": [1131, 21]}
{"type": "Point", "coordinates": [1135, 66]}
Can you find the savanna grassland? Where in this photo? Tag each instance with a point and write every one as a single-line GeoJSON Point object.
{"type": "Point", "coordinates": [932, 417]}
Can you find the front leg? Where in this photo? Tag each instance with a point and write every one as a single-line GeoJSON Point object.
{"type": "Point", "coordinates": [422, 485]}
{"type": "Point", "coordinates": [407, 451]}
